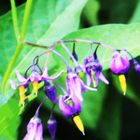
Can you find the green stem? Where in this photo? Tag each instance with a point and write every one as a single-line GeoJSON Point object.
{"type": "Point", "coordinates": [14, 17]}
{"type": "Point", "coordinates": [20, 42]}
{"type": "Point", "coordinates": [25, 20]}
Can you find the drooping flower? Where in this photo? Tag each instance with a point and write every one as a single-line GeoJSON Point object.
{"type": "Point", "coordinates": [34, 129]}
{"type": "Point", "coordinates": [21, 86]}
{"type": "Point", "coordinates": [120, 65]}
{"type": "Point", "coordinates": [93, 70]}
{"type": "Point", "coordinates": [50, 92]}
{"type": "Point", "coordinates": [35, 78]}
{"type": "Point", "coordinates": [75, 86]}
{"type": "Point", "coordinates": [70, 108]}
{"type": "Point", "coordinates": [52, 125]}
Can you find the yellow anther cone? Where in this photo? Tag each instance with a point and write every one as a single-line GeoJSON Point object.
{"type": "Point", "coordinates": [79, 124]}
{"type": "Point", "coordinates": [35, 87]}
{"type": "Point", "coordinates": [122, 80]}
{"type": "Point", "coordinates": [22, 91]}
{"type": "Point", "coordinates": [94, 79]}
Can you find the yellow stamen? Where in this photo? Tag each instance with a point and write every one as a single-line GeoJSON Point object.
{"type": "Point", "coordinates": [35, 87]}
{"type": "Point", "coordinates": [94, 79]}
{"type": "Point", "coordinates": [122, 80]}
{"type": "Point", "coordinates": [22, 91]}
{"type": "Point", "coordinates": [78, 123]}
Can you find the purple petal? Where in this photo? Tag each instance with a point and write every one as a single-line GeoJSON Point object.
{"type": "Point", "coordinates": [52, 125]}
{"type": "Point", "coordinates": [119, 63]}
{"type": "Point", "coordinates": [34, 130]}
{"type": "Point", "coordinates": [39, 132]}
{"type": "Point", "coordinates": [69, 106]}
{"type": "Point", "coordinates": [20, 77]}
{"type": "Point", "coordinates": [136, 66]}
{"type": "Point", "coordinates": [88, 79]}
{"type": "Point", "coordinates": [51, 93]}
{"type": "Point", "coordinates": [45, 74]}
{"type": "Point", "coordinates": [53, 78]}
{"type": "Point", "coordinates": [35, 77]}
{"type": "Point", "coordinates": [102, 77]}
{"type": "Point", "coordinates": [74, 85]}
{"type": "Point", "coordinates": [65, 108]}
{"type": "Point", "coordinates": [13, 84]}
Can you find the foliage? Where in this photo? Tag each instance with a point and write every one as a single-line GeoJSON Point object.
{"type": "Point", "coordinates": [52, 20]}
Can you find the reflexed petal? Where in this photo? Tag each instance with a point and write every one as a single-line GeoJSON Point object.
{"type": "Point", "coordinates": [54, 77]}
{"type": "Point", "coordinates": [45, 73]}
{"type": "Point", "coordinates": [20, 77]}
{"type": "Point", "coordinates": [74, 85]}
{"type": "Point", "coordinates": [88, 79]}
{"type": "Point", "coordinates": [13, 84]}
{"type": "Point", "coordinates": [102, 77]}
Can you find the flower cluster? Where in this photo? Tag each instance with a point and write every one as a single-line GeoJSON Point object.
{"type": "Point", "coordinates": [36, 79]}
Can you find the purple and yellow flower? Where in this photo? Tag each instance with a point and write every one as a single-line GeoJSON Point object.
{"type": "Point", "coordinates": [75, 86]}
{"type": "Point", "coordinates": [34, 129]}
{"type": "Point", "coordinates": [22, 86]}
{"type": "Point", "coordinates": [70, 108]}
{"type": "Point", "coordinates": [120, 65]}
{"type": "Point", "coordinates": [93, 70]}
{"type": "Point", "coordinates": [52, 125]}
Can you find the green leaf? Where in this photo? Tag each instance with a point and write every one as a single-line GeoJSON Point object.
{"type": "Point", "coordinates": [47, 33]}
{"type": "Point", "coordinates": [90, 12]}
{"type": "Point", "coordinates": [49, 21]}
{"type": "Point", "coordinates": [92, 106]}
{"type": "Point", "coordinates": [136, 17]}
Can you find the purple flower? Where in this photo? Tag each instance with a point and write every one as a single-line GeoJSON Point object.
{"type": "Point", "coordinates": [119, 63]}
{"type": "Point", "coordinates": [50, 92]}
{"type": "Point", "coordinates": [22, 86]}
{"type": "Point", "coordinates": [52, 125]}
{"type": "Point", "coordinates": [35, 78]}
{"type": "Point", "coordinates": [70, 106]}
{"type": "Point", "coordinates": [136, 66]}
{"type": "Point", "coordinates": [75, 86]}
{"type": "Point", "coordinates": [34, 129]}
{"type": "Point", "coordinates": [93, 70]}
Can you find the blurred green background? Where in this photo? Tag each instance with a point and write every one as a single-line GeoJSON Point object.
{"type": "Point", "coordinates": [120, 116]}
